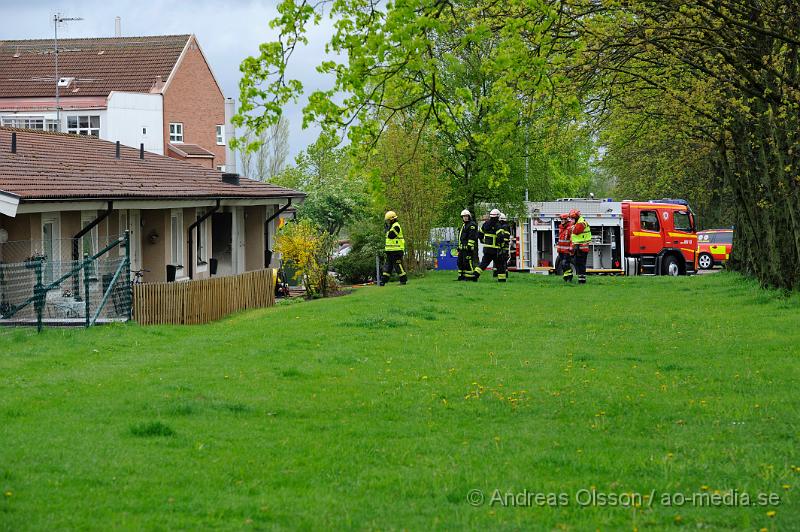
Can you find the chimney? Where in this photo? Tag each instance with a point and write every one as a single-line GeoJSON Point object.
{"type": "Point", "coordinates": [117, 27]}
{"type": "Point", "coordinates": [141, 151]}
{"type": "Point", "coordinates": [229, 178]}
{"type": "Point", "coordinates": [14, 142]}
{"type": "Point", "coordinates": [230, 132]}
{"type": "Point", "coordinates": [117, 149]}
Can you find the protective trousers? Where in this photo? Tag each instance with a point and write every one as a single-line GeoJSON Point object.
{"type": "Point", "coordinates": [580, 265]}
{"type": "Point", "coordinates": [501, 267]}
{"type": "Point", "coordinates": [394, 261]}
{"type": "Point", "coordinates": [466, 264]}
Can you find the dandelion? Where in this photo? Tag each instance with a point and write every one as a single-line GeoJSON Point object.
{"type": "Point", "coordinates": [678, 519]}
{"type": "Point", "coordinates": [786, 486]}
{"type": "Point", "coordinates": [771, 513]}
{"type": "Point", "coordinates": [8, 493]}
{"type": "Point", "coordinates": [704, 487]}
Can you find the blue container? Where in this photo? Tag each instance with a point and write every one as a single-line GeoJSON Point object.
{"type": "Point", "coordinates": [446, 256]}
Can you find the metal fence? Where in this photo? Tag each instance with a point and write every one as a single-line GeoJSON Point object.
{"type": "Point", "coordinates": [42, 284]}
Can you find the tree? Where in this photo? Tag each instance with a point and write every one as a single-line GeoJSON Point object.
{"type": "Point", "coordinates": [725, 78]}
{"type": "Point", "coordinates": [335, 196]}
{"type": "Point", "coordinates": [263, 155]}
{"type": "Point", "coordinates": [721, 74]}
{"type": "Point", "coordinates": [408, 177]}
{"type": "Point", "coordinates": [474, 72]}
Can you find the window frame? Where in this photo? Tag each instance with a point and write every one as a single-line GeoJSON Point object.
{"type": "Point", "coordinates": [220, 134]}
{"type": "Point", "coordinates": [29, 122]}
{"type": "Point", "coordinates": [655, 214]}
{"type": "Point", "coordinates": [688, 220]}
{"type": "Point", "coordinates": [175, 135]}
{"type": "Point", "coordinates": [87, 129]}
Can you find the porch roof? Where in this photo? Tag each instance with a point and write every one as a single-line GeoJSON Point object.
{"type": "Point", "coordinates": [61, 167]}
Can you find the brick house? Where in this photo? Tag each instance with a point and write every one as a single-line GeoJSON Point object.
{"type": "Point", "coordinates": [55, 186]}
{"type": "Point", "coordinates": [158, 91]}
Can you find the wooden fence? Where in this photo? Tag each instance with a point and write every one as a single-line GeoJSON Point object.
{"type": "Point", "coordinates": [194, 302]}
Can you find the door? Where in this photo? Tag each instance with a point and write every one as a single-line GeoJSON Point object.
{"type": "Point", "coordinates": [646, 231]}
{"type": "Point", "coordinates": [681, 235]}
{"type": "Point", "coordinates": [51, 246]}
{"type": "Point", "coordinates": [134, 227]}
{"type": "Point", "coordinates": [238, 240]}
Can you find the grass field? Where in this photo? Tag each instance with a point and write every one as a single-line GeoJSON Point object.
{"type": "Point", "coordinates": [387, 408]}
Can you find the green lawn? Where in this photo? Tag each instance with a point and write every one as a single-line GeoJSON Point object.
{"type": "Point", "coordinates": [385, 408]}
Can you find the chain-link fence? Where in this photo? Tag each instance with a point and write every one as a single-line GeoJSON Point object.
{"type": "Point", "coordinates": [42, 282]}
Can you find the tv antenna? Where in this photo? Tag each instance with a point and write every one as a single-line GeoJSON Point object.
{"type": "Point", "coordinates": [58, 19]}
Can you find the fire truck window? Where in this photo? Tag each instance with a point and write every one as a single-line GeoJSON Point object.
{"type": "Point", "coordinates": [682, 221]}
{"type": "Point", "coordinates": [649, 221]}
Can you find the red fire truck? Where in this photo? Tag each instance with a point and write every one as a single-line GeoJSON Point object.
{"type": "Point", "coordinates": [629, 237]}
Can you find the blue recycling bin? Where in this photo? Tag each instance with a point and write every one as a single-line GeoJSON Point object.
{"type": "Point", "coordinates": [446, 256]}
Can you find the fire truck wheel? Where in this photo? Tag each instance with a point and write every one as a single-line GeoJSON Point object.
{"type": "Point", "coordinates": [670, 266]}
{"type": "Point", "coordinates": [705, 261]}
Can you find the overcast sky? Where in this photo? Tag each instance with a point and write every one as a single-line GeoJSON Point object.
{"type": "Point", "coordinates": [228, 31]}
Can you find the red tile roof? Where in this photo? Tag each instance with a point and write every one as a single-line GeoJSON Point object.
{"type": "Point", "coordinates": [27, 67]}
{"type": "Point", "coordinates": [58, 166]}
{"type": "Point", "coordinates": [190, 150]}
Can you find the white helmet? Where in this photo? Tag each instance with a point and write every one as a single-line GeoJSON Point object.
{"type": "Point", "coordinates": [503, 217]}
{"type": "Point", "coordinates": [494, 213]}
{"type": "Point", "coordinates": [465, 212]}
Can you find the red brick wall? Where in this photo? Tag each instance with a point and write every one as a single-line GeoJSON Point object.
{"type": "Point", "coordinates": [193, 99]}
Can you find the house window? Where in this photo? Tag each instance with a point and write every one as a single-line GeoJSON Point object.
{"type": "Point", "coordinates": [176, 222]}
{"type": "Point", "coordinates": [220, 135]}
{"type": "Point", "coordinates": [29, 122]}
{"type": "Point", "coordinates": [202, 239]}
{"type": "Point", "coordinates": [144, 131]}
{"type": "Point", "coordinates": [221, 168]}
{"type": "Point", "coordinates": [175, 132]}
{"type": "Point", "coordinates": [84, 125]}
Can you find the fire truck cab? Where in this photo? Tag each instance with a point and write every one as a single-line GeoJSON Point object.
{"type": "Point", "coordinates": [660, 237]}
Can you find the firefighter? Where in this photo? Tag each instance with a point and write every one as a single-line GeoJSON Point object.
{"type": "Point", "coordinates": [564, 246]}
{"type": "Point", "coordinates": [503, 243]}
{"type": "Point", "coordinates": [467, 248]}
{"type": "Point", "coordinates": [488, 235]}
{"type": "Point", "coordinates": [395, 245]}
{"type": "Point", "coordinates": [581, 236]}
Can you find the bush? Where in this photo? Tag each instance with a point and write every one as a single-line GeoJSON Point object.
{"type": "Point", "coordinates": [358, 266]}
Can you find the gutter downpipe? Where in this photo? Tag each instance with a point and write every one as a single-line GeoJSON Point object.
{"type": "Point", "coordinates": [192, 227]}
{"type": "Point", "coordinates": [76, 252]}
{"type": "Point", "coordinates": [266, 229]}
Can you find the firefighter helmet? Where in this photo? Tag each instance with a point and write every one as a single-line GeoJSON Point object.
{"type": "Point", "coordinates": [494, 213]}
{"type": "Point", "coordinates": [503, 217]}
{"type": "Point", "coordinates": [575, 213]}
{"type": "Point", "coordinates": [466, 212]}
{"type": "Point", "coordinates": [390, 215]}
{"type": "Point", "coordinates": [563, 217]}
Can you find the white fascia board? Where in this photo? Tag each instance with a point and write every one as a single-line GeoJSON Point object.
{"type": "Point", "coordinates": [58, 206]}
{"type": "Point", "coordinates": [9, 204]}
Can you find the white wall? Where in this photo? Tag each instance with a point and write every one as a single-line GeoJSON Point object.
{"type": "Point", "coordinates": [129, 113]}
